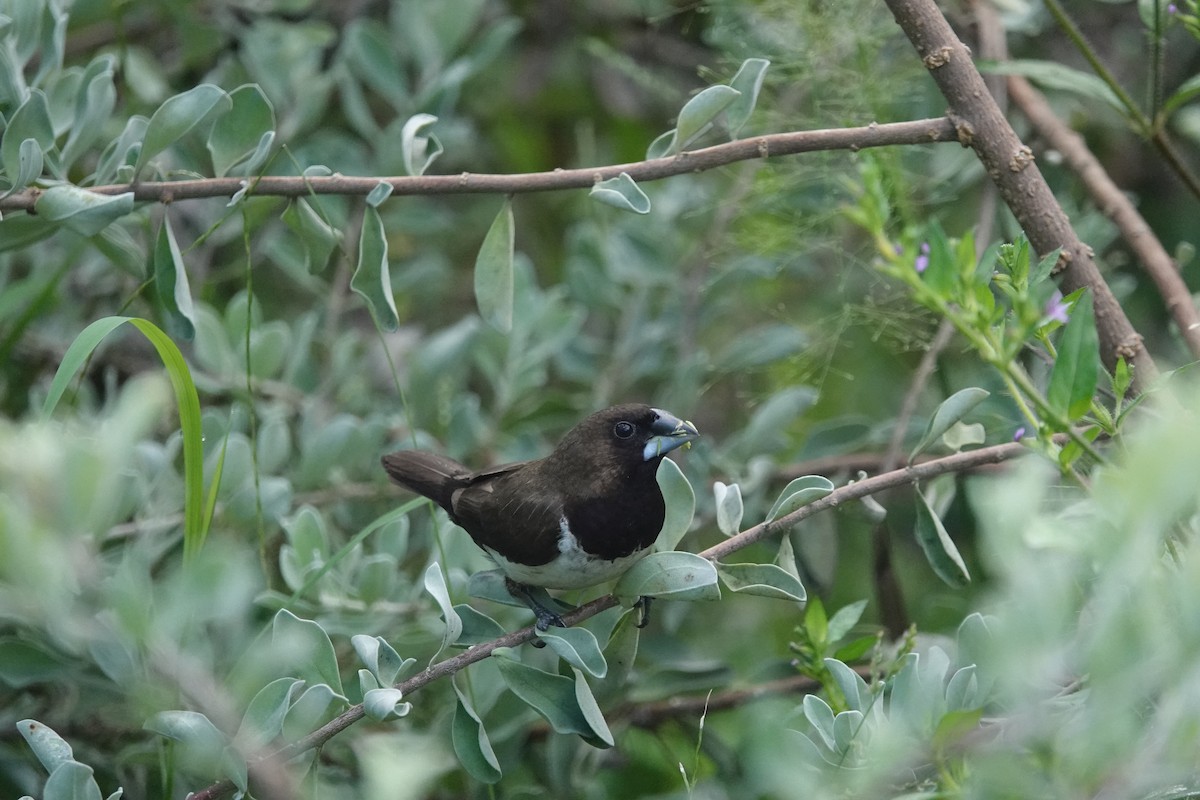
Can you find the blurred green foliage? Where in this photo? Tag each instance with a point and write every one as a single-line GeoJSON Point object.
{"type": "Point", "coordinates": [775, 303]}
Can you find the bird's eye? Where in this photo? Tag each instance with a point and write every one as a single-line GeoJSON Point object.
{"type": "Point", "coordinates": [623, 430]}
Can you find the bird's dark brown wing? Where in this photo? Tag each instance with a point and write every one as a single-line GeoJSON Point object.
{"type": "Point", "coordinates": [512, 511]}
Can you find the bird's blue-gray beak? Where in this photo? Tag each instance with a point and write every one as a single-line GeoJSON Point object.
{"type": "Point", "coordinates": [670, 432]}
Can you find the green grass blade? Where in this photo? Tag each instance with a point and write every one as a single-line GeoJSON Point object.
{"type": "Point", "coordinates": [194, 529]}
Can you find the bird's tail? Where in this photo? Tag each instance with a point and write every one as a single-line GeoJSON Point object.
{"type": "Point", "coordinates": [428, 474]}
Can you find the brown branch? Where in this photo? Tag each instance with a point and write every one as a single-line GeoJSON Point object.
{"type": "Point", "coordinates": [982, 126]}
{"type": "Point", "coordinates": [1154, 258]}
{"type": "Point", "coordinates": [844, 494]}
{"type": "Point", "coordinates": [921, 131]}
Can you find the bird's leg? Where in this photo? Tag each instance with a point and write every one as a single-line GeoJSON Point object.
{"type": "Point", "coordinates": [643, 607]}
{"type": "Point", "coordinates": [545, 617]}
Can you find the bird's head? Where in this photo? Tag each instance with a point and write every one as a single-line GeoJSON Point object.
{"type": "Point", "coordinates": [625, 437]}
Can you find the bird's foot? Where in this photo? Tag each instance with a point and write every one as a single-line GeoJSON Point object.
{"type": "Point", "coordinates": [643, 607]}
{"type": "Point", "coordinates": [545, 617]}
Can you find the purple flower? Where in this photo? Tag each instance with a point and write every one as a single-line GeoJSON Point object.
{"type": "Point", "coordinates": [1019, 434]}
{"type": "Point", "coordinates": [1056, 309]}
{"type": "Point", "coordinates": [1172, 8]}
{"type": "Point", "coordinates": [922, 262]}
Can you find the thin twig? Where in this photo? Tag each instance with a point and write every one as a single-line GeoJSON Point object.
{"type": "Point", "coordinates": [921, 131]}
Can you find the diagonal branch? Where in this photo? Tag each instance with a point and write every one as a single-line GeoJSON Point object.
{"type": "Point", "coordinates": [921, 131]}
{"type": "Point", "coordinates": [1009, 163]}
{"type": "Point", "coordinates": [901, 477]}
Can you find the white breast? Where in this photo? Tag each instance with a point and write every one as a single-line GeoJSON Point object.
{"type": "Point", "coordinates": [572, 568]}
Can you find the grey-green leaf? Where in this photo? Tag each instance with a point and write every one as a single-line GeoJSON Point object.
{"type": "Point", "coordinates": [178, 115]}
{"type": "Point", "coordinates": [1077, 367]}
{"type": "Point", "coordinates": [1052, 75]}
{"type": "Point", "coordinates": [50, 748]}
{"type": "Point", "coordinates": [435, 584]}
{"type": "Point", "coordinates": [420, 149]}
{"type": "Point", "coordinates": [729, 507]}
{"type": "Point", "coordinates": [661, 146]}
{"type": "Point", "coordinates": [798, 493]}
{"type": "Point", "coordinates": [940, 550]}
{"type": "Point", "coordinates": [316, 235]}
{"type": "Point", "coordinates": [312, 654]}
{"type": "Point", "coordinates": [578, 647]}
{"type": "Point", "coordinates": [622, 192]}
{"type": "Point", "coordinates": [171, 284]}
{"type": "Point", "coordinates": [853, 687]}
{"type": "Point", "coordinates": [83, 211]}
{"type": "Point", "coordinates": [72, 781]}
{"type": "Point", "coordinates": [697, 114]}
{"type": "Point", "coordinates": [961, 435]}
{"type": "Point", "coordinates": [242, 138]}
{"type": "Point", "coordinates": [766, 580]}
{"type": "Point", "coordinates": [30, 121]}
{"type": "Point", "coordinates": [384, 704]}
{"type": "Point", "coordinates": [372, 279]}
{"type": "Point", "coordinates": [95, 103]}
{"type": "Point", "coordinates": [471, 743]}
{"type": "Point", "coordinates": [494, 272]}
{"type": "Point", "coordinates": [680, 500]}
{"type": "Point", "coordinates": [748, 81]}
{"type": "Point", "coordinates": [951, 410]}
{"type": "Point", "coordinates": [555, 697]}
{"type": "Point", "coordinates": [671, 575]}
{"type": "Point", "coordinates": [382, 191]}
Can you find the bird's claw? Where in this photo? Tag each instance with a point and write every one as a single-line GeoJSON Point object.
{"type": "Point", "coordinates": [643, 607]}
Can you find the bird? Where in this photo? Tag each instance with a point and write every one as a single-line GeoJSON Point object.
{"type": "Point", "coordinates": [581, 516]}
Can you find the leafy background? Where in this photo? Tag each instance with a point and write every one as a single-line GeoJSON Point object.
{"type": "Point", "coordinates": [747, 299]}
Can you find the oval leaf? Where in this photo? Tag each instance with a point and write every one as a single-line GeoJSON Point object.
{"type": "Point", "coordinates": [766, 580]}
{"type": "Point", "coordinates": [85, 212]}
{"type": "Point", "coordinates": [29, 122]}
{"type": "Point", "coordinates": [263, 720]}
{"type": "Point", "coordinates": [72, 781]}
{"type": "Point", "coordinates": [698, 114]}
{"type": "Point", "coordinates": [237, 138]}
{"type": "Point", "coordinates": [951, 410]}
{"type": "Point", "coordinates": [435, 584]}
{"type": "Point", "coordinates": [1077, 367]}
{"type": "Point", "coordinates": [178, 115]}
{"type": "Point", "coordinates": [50, 748]}
{"type": "Point", "coordinates": [800, 492]}
{"type": "Point", "coordinates": [680, 500]}
{"type": "Point", "coordinates": [420, 150]}
{"type": "Point", "coordinates": [940, 550]}
{"type": "Point", "coordinates": [305, 647]}
{"type": "Point", "coordinates": [622, 192]}
{"type": "Point", "coordinates": [554, 697]}
{"type": "Point", "coordinates": [671, 575]}
{"type": "Point", "coordinates": [748, 81]}
{"type": "Point", "coordinates": [494, 272]}
{"type": "Point", "coordinates": [729, 507]}
{"type": "Point", "coordinates": [471, 743]}
{"type": "Point", "coordinates": [578, 647]}
{"type": "Point", "coordinates": [372, 279]}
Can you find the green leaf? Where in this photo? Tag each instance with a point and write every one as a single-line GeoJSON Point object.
{"type": "Point", "coordinates": [477, 627]}
{"type": "Point", "coordinates": [31, 121]}
{"type": "Point", "coordinates": [1044, 267]}
{"type": "Point", "coordinates": [1154, 15]}
{"type": "Point", "coordinates": [316, 235]}
{"type": "Point", "coordinates": [315, 706]}
{"type": "Point", "coordinates": [729, 507]}
{"type": "Point", "coordinates": [953, 726]}
{"type": "Point", "coordinates": [93, 107]}
{"type": "Point", "coordinates": [854, 689]}
{"type": "Point", "coordinates": [494, 272]}
{"type": "Point", "coordinates": [950, 411]}
{"type": "Point", "coordinates": [372, 278]}
{"type": "Point", "coordinates": [820, 716]}
{"type": "Point", "coordinates": [420, 149]}
{"type": "Point", "coordinates": [471, 743]}
{"type": "Point", "coordinates": [748, 81]}
{"type": "Point", "coordinates": [188, 401]}
{"type": "Point", "coordinates": [171, 284]}
{"type": "Point", "coordinates": [50, 748]}
{"type": "Point", "coordinates": [85, 212]}
{"type": "Point", "coordinates": [662, 146]}
{"type": "Point", "coordinates": [697, 115]}
{"type": "Point", "coordinates": [382, 191]}
{"type": "Point", "coordinates": [602, 736]}
{"type": "Point", "coordinates": [435, 584]}
{"type": "Point", "coordinates": [177, 116]}
{"type": "Point", "coordinates": [844, 619]}
{"type": "Point", "coordinates": [29, 164]}
{"type": "Point", "coordinates": [940, 550]}
{"type": "Point", "coordinates": [380, 658]}
{"type": "Point", "coordinates": [263, 720]}
{"type": "Point", "coordinates": [1077, 368]}
{"type": "Point", "coordinates": [71, 781]}
{"type": "Point", "coordinates": [555, 697]}
{"type": "Point", "coordinates": [243, 137]}
{"type": "Point", "coordinates": [621, 192]}
{"type": "Point", "coordinates": [670, 575]}
{"type": "Point", "coordinates": [578, 647]}
{"type": "Point", "coordinates": [26, 663]}
{"type": "Point", "coordinates": [193, 730]}
{"type": "Point", "coordinates": [1052, 75]}
{"type": "Point", "coordinates": [680, 500]}
{"type": "Point", "coordinates": [383, 705]}
{"type": "Point", "coordinates": [800, 492]}
{"type": "Point", "coordinates": [816, 623]}
{"type": "Point", "coordinates": [620, 654]}
{"type": "Point", "coordinates": [766, 580]}
{"type": "Point", "coordinates": [961, 435]}
{"type": "Point", "coordinates": [1187, 91]}
{"type": "Point", "coordinates": [306, 648]}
